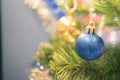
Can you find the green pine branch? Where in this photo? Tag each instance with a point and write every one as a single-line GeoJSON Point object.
{"type": "Point", "coordinates": [110, 8]}
{"type": "Point", "coordinates": [69, 66]}
{"type": "Point", "coordinates": [45, 50]}
{"type": "Point", "coordinates": [63, 61]}
{"type": "Point", "coordinates": [44, 54]}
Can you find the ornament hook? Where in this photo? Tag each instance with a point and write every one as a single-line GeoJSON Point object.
{"type": "Point", "coordinates": [71, 10]}
{"type": "Point", "coordinates": [90, 26]}
{"type": "Point", "coordinates": [91, 10]}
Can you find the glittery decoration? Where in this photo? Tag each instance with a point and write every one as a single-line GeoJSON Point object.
{"type": "Point", "coordinates": [39, 75]}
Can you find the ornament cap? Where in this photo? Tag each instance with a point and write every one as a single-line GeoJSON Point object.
{"type": "Point", "coordinates": [90, 30]}
{"type": "Point", "coordinates": [70, 12]}
{"type": "Point", "coordinates": [93, 31]}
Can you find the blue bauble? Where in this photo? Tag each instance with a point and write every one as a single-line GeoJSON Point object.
{"type": "Point", "coordinates": [89, 46]}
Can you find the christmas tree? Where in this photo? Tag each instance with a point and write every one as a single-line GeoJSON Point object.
{"type": "Point", "coordinates": [71, 54]}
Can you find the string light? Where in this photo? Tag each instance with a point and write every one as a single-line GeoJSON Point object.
{"type": "Point", "coordinates": [34, 4]}
{"type": "Point", "coordinates": [112, 38]}
{"type": "Point", "coordinates": [48, 20]}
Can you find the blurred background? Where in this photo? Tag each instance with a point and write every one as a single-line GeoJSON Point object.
{"type": "Point", "coordinates": [27, 24]}
{"type": "Point", "coordinates": [21, 35]}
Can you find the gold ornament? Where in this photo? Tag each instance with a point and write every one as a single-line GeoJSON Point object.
{"type": "Point", "coordinates": [68, 26]}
